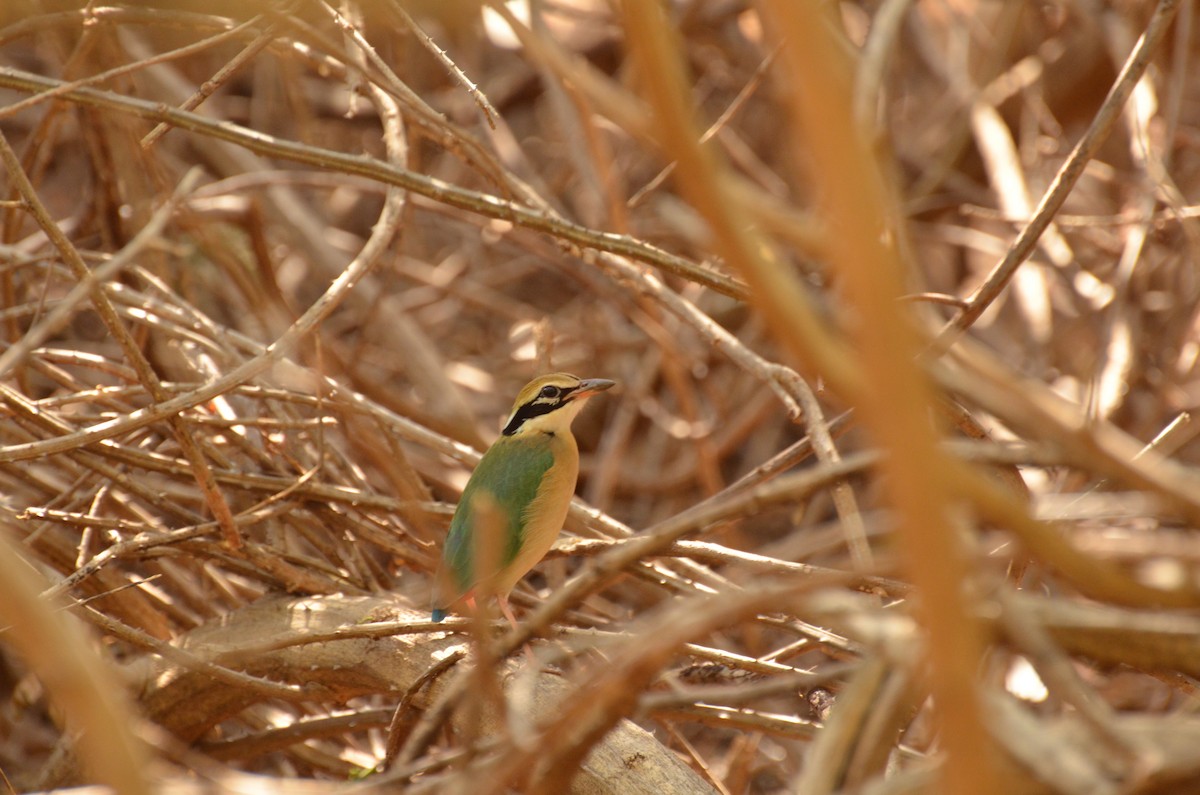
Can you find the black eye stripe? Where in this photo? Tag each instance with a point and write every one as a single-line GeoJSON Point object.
{"type": "Point", "coordinates": [534, 408]}
{"type": "Point", "coordinates": [548, 399]}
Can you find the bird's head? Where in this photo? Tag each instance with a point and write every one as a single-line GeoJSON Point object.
{"type": "Point", "coordinates": [548, 403]}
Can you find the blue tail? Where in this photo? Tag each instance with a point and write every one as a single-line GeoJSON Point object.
{"type": "Point", "coordinates": [438, 614]}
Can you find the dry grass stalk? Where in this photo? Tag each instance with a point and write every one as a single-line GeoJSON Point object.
{"type": "Point", "coordinates": [266, 280]}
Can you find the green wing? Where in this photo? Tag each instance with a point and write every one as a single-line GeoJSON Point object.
{"type": "Point", "coordinates": [510, 472]}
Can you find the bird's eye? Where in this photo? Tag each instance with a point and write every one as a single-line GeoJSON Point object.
{"type": "Point", "coordinates": [549, 392]}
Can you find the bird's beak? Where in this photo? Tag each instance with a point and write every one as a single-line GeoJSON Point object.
{"type": "Point", "coordinates": [590, 386]}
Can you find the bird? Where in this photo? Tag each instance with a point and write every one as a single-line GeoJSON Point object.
{"type": "Point", "coordinates": [516, 500]}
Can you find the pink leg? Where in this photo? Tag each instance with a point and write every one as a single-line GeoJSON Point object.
{"type": "Point", "coordinates": [507, 611]}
